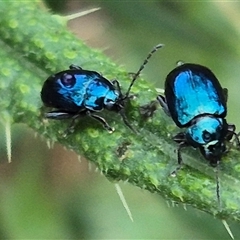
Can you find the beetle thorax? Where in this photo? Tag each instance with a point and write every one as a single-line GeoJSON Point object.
{"type": "Point", "coordinates": [205, 130]}
{"type": "Point", "coordinates": [112, 101]}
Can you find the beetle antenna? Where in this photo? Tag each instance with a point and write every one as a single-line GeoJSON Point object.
{"type": "Point", "coordinates": [142, 67]}
{"type": "Point", "coordinates": [218, 186]}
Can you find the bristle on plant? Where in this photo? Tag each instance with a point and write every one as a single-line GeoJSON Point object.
{"type": "Point", "coordinates": [80, 14]}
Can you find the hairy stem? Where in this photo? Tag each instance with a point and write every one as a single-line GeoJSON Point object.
{"type": "Point", "coordinates": [38, 44]}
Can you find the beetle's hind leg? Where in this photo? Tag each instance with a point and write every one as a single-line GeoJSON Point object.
{"type": "Point", "coordinates": [60, 115]}
{"type": "Point", "coordinates": [101, 120]}
{"type": "Point", "coordinates": [71, 126]}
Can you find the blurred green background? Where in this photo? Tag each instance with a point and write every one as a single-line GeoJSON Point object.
{"type": "Point", "coordinates": [53, 193]}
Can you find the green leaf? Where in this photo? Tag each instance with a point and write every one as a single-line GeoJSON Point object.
{"type": "Point", "coordinates": [33, 46]}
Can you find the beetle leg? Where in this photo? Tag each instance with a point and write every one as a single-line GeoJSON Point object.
{"type": "Point", "coordinates": [231, 132]}
{"type": "Point", "coordinates": [116, 83]}
{"type": "Point", "coordinates": [131, 74]}
{"type": "Point", "coordinates": [237, 138]}
{"type": "Point", "coordinates": [59, 115]}
{"type": "Point", "coordinates": [75, 67]}
{"type": "Point", "coordinates": [71, 126]}
{"type": "Point", "coordinates": [179, 155]}
{"type": "Point", "coordinates": [163, 104]}
{"type": "Point", "coordinates": [121, 112]}
{"type": "Point", "coordinates": [101, 120]}
{"type": "Point", "coordinates": [125, 120]}
{"type": "Point", "coordinates": [148, 110]}
{"type": "Point", "coordinates": [180, 139]}
{"type": "Point", "coordinates": [179, 158]}
{"type": "Point", "coordinates": [180, 63]}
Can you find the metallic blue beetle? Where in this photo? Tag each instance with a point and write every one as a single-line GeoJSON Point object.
{"type": "Point", "coordinates": [77, 92]}
{"type": "Point", "coordinates": [196, 101]}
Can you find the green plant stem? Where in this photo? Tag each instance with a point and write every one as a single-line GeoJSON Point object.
{"type": "Point", "coordinates": [38, 44]}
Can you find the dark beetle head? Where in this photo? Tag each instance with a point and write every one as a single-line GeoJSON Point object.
{"type": "Point", "coordinates": [213, 151]}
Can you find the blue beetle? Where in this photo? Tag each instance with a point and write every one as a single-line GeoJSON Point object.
{"type": "Point", "coordinates": [77, 92]}
{"type": "Point", "coordinates": [196, 101]}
